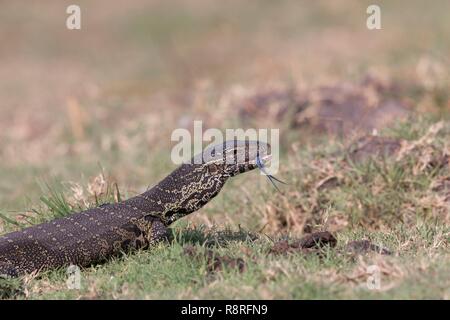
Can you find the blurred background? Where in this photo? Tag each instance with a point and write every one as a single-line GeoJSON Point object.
{"type": "Point", "coordinates": [107, 97]}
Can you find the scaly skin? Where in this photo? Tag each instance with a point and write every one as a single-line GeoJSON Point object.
{"type": "Point", "coordinates": [94, 235]}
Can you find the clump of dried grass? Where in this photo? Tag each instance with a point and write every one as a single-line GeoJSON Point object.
{"type": "Point", "coordinates": [63, 199]}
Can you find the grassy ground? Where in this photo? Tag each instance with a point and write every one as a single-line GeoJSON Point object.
{"type": "Point", "coordinates": [390, 202]}
{"type": "Point", "coordinates": [84, 111]}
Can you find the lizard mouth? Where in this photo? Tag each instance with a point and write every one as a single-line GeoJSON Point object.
{"type": "Point", "coordinates": [265, 158]}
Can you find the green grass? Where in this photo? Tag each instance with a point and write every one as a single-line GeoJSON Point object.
{"type": "Point", "coordinates": [384, 200]}
{"type": "Point", "coordinates": [166, 272]}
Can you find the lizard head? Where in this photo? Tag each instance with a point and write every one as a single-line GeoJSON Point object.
{"type": "Point", "coordinates": [233, 157]}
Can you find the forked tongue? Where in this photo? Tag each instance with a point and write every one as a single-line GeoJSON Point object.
{"type": "Point", "coordinates": [269, 176]}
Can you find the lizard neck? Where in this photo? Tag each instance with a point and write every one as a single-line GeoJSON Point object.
{"type": "Point", "coordinates": [185, 190]}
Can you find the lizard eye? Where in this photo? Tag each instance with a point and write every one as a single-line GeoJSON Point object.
{"type": "Point", "coordinates": [212, 168]}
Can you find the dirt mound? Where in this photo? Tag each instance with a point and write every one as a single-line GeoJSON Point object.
{"type": "Point", "coordinates": [310, 243]}
{"type": "Point", "coordinates": [369, 147]}
{"type": "Point", "coordinates": [314, 242]}
{"type": "Point", "coordinates": [335, 109]}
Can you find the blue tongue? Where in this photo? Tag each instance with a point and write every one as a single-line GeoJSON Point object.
{"type": "Point", "coordinates": [269, 176]}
